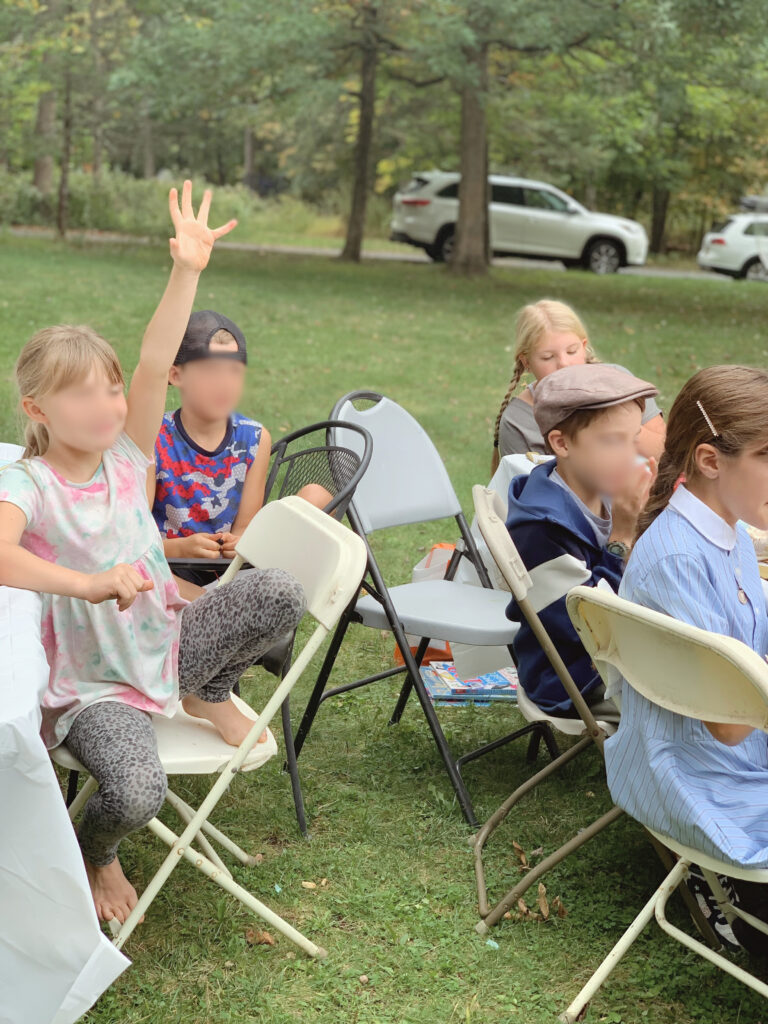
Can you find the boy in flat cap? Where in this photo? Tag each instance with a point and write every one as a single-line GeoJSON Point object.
{"type": "Point", "coordinates": [573, 519]}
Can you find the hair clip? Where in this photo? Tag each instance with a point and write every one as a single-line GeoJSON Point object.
{"type": "Point", "coordinates": [710, 424]}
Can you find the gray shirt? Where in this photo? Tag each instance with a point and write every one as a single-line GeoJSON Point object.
{"type": "Point", "coordinates": [519, 433]}
{"type": "Point", "coordinates": [600, 525]}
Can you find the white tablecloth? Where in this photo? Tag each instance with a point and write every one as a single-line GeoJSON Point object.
{"type": "Point", "coordinates": [54, 959]}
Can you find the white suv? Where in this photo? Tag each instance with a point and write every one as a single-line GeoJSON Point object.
{"type": "Point", "coordinates": [738, 247]}
{"type": "Point", "coordinates": [527, 218]}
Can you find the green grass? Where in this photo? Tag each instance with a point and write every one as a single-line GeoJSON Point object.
{"type": "Point", "coordinates": [399, 905]}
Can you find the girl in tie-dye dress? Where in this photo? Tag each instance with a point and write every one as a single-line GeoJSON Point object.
{"type": "Point", "coordinates": [75, 525]}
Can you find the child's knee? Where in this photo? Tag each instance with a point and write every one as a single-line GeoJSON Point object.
{"type": "Point", "coordinates": [316, 495]}
{"type": "Point", "coordinates": [137, 800]}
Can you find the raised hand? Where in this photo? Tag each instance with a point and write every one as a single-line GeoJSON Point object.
{"type": "Point", "coordinates": [194, 241]}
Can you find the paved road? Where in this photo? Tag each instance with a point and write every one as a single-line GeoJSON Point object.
{"type": "Point", "coordinates": [408, 255]}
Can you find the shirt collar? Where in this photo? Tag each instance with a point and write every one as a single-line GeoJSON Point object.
{"type": "Point", "coordinates": [704, 519]}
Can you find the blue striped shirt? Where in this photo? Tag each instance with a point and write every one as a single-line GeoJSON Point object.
{"type": "Point", "coordinates": [668, 771]}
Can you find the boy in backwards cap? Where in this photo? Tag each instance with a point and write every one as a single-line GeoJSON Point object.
{"type": "Point", "coordinates": [573, 519]}
{"type": "Point", "coordinates": [211, 461]}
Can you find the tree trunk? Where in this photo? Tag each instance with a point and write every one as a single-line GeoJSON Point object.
{"type": "Point", "coordinates": [249, 151]}
{"type": "Point", "coordinates": [353, 242]}
{"type": "Point", "coordinates": [62, 212]}
{"type": "Point", "coordinates": [147, 146]}
{"type": "Point", "coordinates": [659, 206]}
{"type": "Point", "coordinates": [471, 251]}
{"type": "Point", "coordinates": [45, 141]}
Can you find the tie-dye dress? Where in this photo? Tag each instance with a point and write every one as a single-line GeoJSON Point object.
{"type": "Point", "coordinates": [94, 651]}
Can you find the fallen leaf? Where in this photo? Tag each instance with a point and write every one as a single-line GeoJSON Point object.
{"type": "Point", "coordinates": [323, 882]}
{"type": "Point", "coordinates": [258, 938]}
{"type": "Point", "coordinates": [363, 979]}
{"type": "Point", "coordinates": [309, 885]}
{"type": "Point", "coordinates": [543, 901]}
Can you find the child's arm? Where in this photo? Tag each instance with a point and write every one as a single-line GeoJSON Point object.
{"type": "Point", "coordinates": [21, 569]}
{"type": "Point", "coordinates": [191, 250]}
{"type": "Point", "coordinates": [252, 497]}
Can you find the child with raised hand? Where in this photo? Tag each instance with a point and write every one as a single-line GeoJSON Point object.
{"type": "Point", "coordinates": [75, 526]}
{"type": "Point", "coordinates": [705, 784]}
{"type": "Point", "coordinates": [548, 336]}
{"type": "Point", "coordinates": [211, 460]}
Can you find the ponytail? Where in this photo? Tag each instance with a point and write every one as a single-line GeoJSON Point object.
{"type": "Point", "coordinates": [663, 487]}
{"type": "Point", "coordinates": [36, 439]}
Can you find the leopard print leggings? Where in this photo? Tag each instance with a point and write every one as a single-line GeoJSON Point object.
{"type": "Point", "coordinates": [222, 634]}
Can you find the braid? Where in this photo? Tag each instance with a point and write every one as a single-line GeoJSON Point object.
{"type": "Point", "coordinates": [517, 374]}
{"type": "Point", "coordinates": [661, 491]}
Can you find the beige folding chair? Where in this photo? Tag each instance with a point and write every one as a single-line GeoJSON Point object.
{"type": "Point", "coordinates": [696, 674]}
{"type": "Point", "coordinates": [328, 560]}
{"type": "Point", "coordinates": [490, 513]}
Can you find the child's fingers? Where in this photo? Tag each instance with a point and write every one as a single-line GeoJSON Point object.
{"type": "Point", "coordinates": [224, 229]}
{"type": "Point", "coordinates": [205, 205]}
{"type": "Point", "coordinates": [146, 585]}
{"type": "Point", "coordinates": [186, 200]}
{"type": "Point", "coordinates": [173, 205]}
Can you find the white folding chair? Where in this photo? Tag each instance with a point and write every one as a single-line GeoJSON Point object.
{"type": "Point", "coordinates": [698, 675]}
{"type": "Point", "coordinates": [490, 514]}
{"type": "Point", "coordinates": [406, 483]}
{"type": "Point", "coordinates": [328, 560]}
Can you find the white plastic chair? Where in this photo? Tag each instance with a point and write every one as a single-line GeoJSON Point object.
{"type": "Point", "coordinates": [693, 673]}
{"type": "Point", "coordinates": [490, 514]}
{"type": "Point", "coordinates": [407, 482]}
{"type": "Point", "coordinates": [328, 560]}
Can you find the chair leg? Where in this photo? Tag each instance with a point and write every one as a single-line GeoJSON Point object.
{"type": "Point", "coordinates": [579, 1004]}
{"type": "Point", "coordinates": [72, 786]}
{"type": "Point", "coordinates": [210, 870]}
{"type": "Point", "coordinates": [317, 693]}
{"type": "Point", "coordinates": [542, 732]}
{"type": "Point", "coordinates": [407, 686]}
{"type": "Point", "coordinates": [490, 918]}
{"type": "Point", "coordinates": [479, 840]}
{"type": "Point", "coordinates": [702, 925]}
{"type": "Point", "coordinates": [293, 768]}
{"type": "Point", "coordinates": [89, 786]}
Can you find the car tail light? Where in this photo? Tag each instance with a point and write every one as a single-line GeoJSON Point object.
{"type": "Point", "coordinates": [415, 202]}
{"type": "Point", "coordinates": [717, 241]}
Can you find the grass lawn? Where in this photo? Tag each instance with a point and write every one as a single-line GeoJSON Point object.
{"type": "Point", "coordinates": [399, 905]}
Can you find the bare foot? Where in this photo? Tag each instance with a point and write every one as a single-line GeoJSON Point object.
{"type": "Point", "coordinates": [113, 895]}
{"type": "Point", "coordinates": [231, 724]}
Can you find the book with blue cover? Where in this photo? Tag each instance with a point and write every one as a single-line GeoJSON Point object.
{"type": "Point", "coordinates": [445, 687]}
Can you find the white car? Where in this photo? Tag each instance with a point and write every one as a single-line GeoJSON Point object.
{"type": "Point", "coordinates": [527, 218]}
{"type": "Point", "coordinates": [738, 247]}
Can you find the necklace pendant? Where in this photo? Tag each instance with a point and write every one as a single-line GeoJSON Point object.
{"type": "Point", "coordinates": [742, 596]}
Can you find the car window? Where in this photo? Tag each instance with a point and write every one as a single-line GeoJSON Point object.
{"type": "Point", "coordinates": [449, 191]}
{"type": "Point", "coordinates": [541, 199]}
{"type": "Point", "coordinates": [757, 227]}
{"type": "Point", "coordinates": [510, 195]}
{"type": "Point", "coordinates": [415, 184]}
{"type": "Point", "coordinates": [721, 225]}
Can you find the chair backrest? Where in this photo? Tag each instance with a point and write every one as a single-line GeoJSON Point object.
{"type": "Point", "coordinates": [310, 456]}
{"type": "Point", "coordinates": [491, 521]}
{"type": "Point", "coordinates": [326, 557]}
{"type": "Point", "coordinates": [490, 513]}
{"type": "Point", "coordinates": [406, 481]}
{"type": "Point", "coordinates": [675, 665]}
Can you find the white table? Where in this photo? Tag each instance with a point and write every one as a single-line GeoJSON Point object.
{"type": "Point", "coordinates": [54, 959]}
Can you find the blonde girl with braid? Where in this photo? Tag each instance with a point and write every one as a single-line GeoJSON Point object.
{"type": "Point", "coordinates": [548, 336]}
{"type": "Point", "coordinates": [703, 783]}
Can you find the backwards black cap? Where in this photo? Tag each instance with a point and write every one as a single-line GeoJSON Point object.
{"type": "Point", "coordinates": [196, 343]}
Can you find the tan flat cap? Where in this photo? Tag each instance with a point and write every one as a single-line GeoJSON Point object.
{"type": "Point", "coordinates": [586, 386]}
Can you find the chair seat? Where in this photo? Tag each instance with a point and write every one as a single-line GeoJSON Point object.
{"type": "Point", "coordinates": [190, 746]}
{"type": "Point", "coordinates": [445, 610]}
{"type": "Point", "coordinates": [567, 726]}
{"type": "Point", "coordinates": [719, 867]}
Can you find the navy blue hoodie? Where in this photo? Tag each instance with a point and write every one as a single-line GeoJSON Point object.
{"type": "Point", "coordinates": [558, 546]}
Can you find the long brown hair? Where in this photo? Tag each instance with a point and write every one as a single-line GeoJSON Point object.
{"type": "Point", "coordinates": [54, 358]}
{"type": "Point", "coordinates": [725, 406]}
{"type": "Point", "coordinates": [533, 322]}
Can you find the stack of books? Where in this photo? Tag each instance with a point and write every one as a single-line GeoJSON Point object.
{"type": "Point", "coordinates": [446, 689]}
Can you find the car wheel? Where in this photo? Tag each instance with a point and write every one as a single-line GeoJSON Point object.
{"type": "Point", "coordinates": [442, 250]}
{"type": "Point", "coordinates": [755, 270]}
{"type": "Point", "coordinates": [602, 257]}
